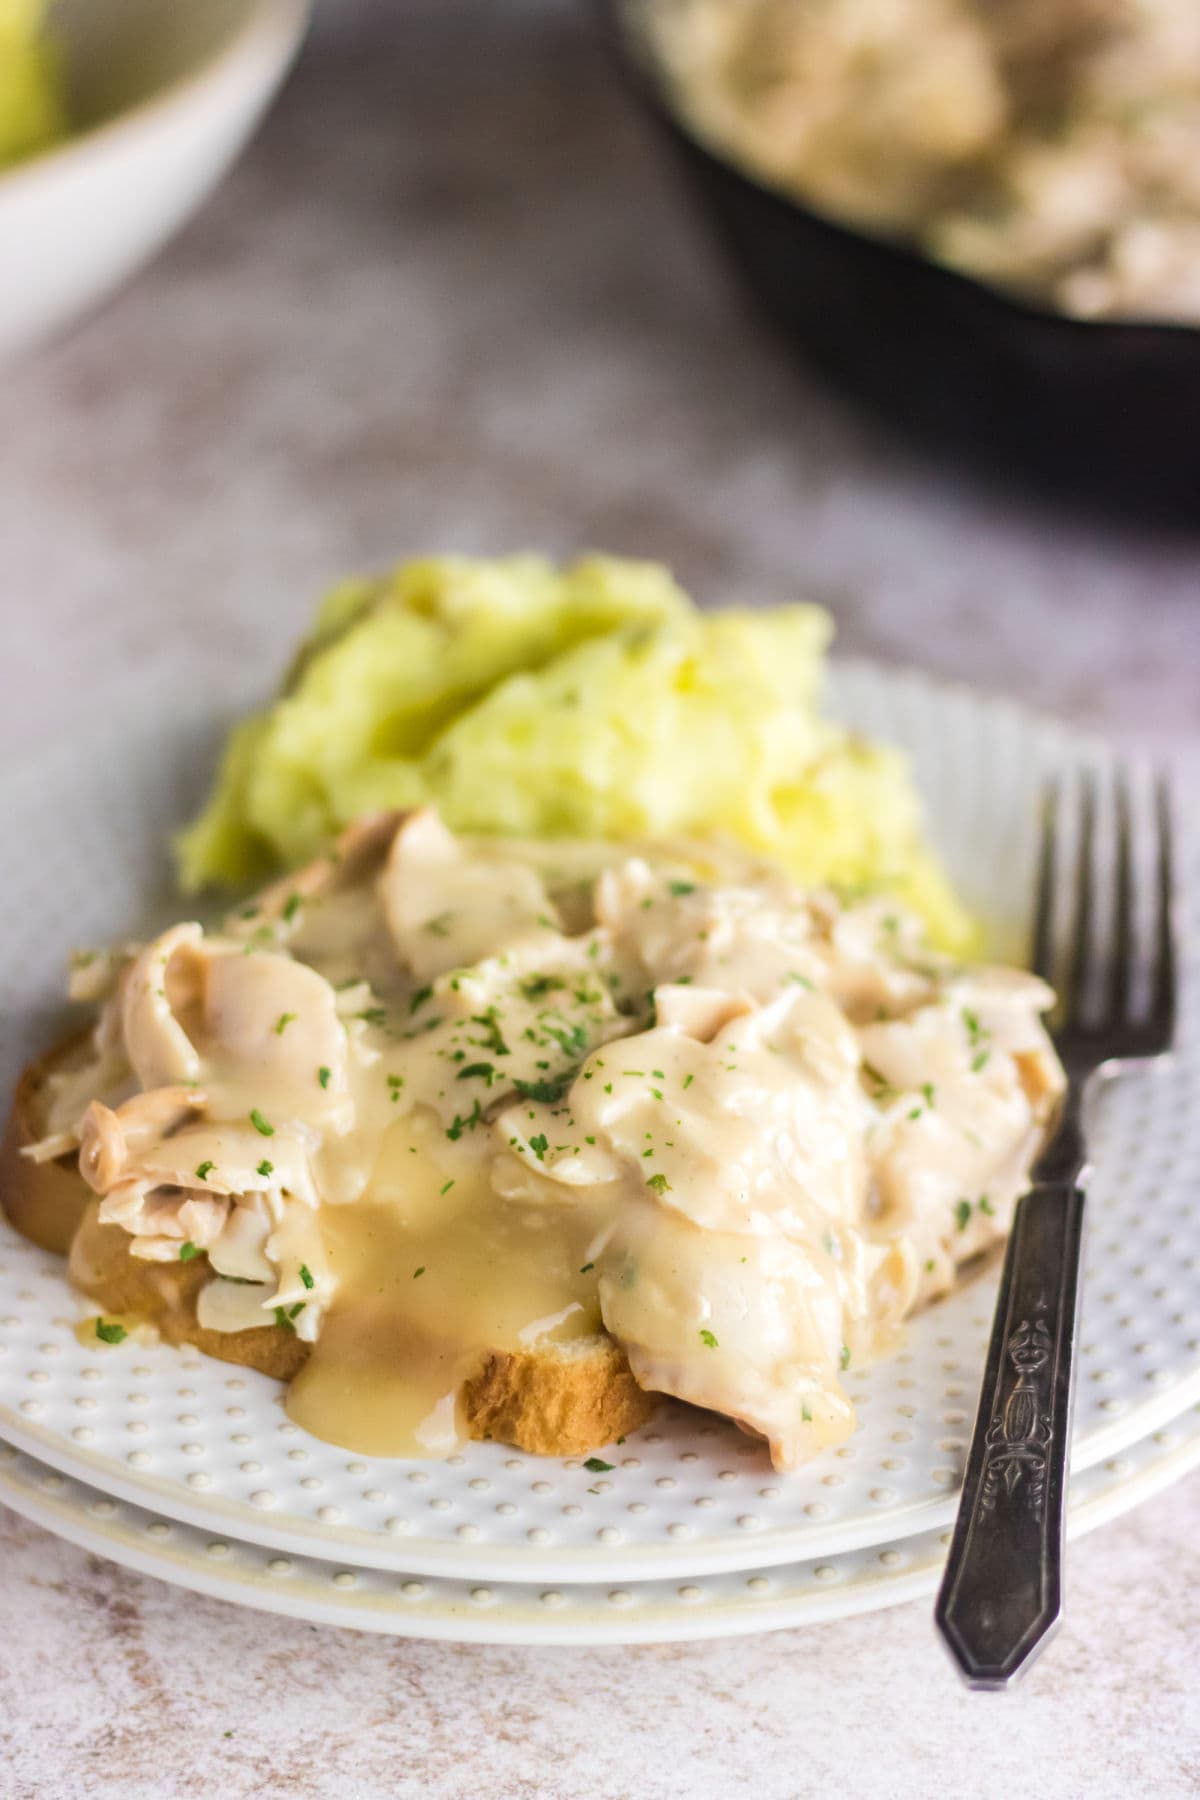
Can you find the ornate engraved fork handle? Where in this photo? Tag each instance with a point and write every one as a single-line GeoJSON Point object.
{"type": "Point", "coordinates": [1002, 1590]}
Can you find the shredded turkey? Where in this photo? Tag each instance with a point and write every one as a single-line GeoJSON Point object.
{"type": "Point", "coordinates": [775, 1123]}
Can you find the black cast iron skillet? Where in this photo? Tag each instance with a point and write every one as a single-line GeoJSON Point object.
{"type": "Point", "coordinates": [1104, 412]}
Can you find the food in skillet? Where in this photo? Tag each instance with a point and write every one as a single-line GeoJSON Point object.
{"type": "Point", "coordinates": [494, 1138]}
{"type": "Point", "coordinates": [1049, 146]}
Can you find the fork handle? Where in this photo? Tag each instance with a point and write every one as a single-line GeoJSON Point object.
{"type": "Point", "coordinates": [1001, 1593]}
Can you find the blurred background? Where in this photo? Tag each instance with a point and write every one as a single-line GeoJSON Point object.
{"type": "Point", "coordinates": [455, 296]}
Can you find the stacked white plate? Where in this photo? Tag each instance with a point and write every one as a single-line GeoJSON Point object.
{"type": "Point", "coordinates": [188, 1469]}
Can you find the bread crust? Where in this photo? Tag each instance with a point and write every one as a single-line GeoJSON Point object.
{"type": "Point", "coordinates": [551, 1400]}
{"type": "Point", "coordinates": [557, 1406]}
{"type": "Point", "coordinates": [45, 1201]}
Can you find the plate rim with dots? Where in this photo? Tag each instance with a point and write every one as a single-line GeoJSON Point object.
{"type": "Point", "coordinates": [666, 1503]}
{"type": "Point", "coordinates": [467, 1610]}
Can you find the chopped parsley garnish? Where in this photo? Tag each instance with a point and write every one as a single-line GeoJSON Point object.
{"type": "Point", "coordinates": [929, 1094]}
{"type": "Point", "coordinates": [883, 1087]}
{"type": "Point", "coordinates": [455, 1130]}
{"type": "Point", "coordinates": [205, 1169]}
{"type": "Point", "coordinates": [962, 1214]}
{"type": "Point", "coordinates": [482, 1071]}
{"type": "Point", "coordinates": [423, 1030]}
{"type": "Point", "coordinates": [282, 1023]}
{"type": "Point", "coordinates": [395, 1083]}
{"type": "Point", "coordinates": [595, 1465]}
{"type": "Point", "coordinates": [709, 1338]}
{"type": "Point", "coordinates": [659, 1183]}
{"type": "Point", "coordinates": [373, 1015]}
{"type": "Point", "coordinates": [805, 1414]}
{"type": "Point", "coordinates": [418, 1000]}
{"type": "Point", "coordinates": [985, 1206]}
{"type": "Point", "coordinates": [261, 1125]}
{"type": "Point", "coordinates": [418, 1272]}
{"type": "Point", "coordinates": [284, 1315]}
{"type": "Point", "coordinates": [306, 1276]}
{"type": "Point", "coordinates": [539, 1145]}
{"type": "Point", "coordinates": [587, 1267]}
{"type": "Point", "coordinates": [571, 1039]}
{"type": "Point", "coordinates": [930, 1266]}
{"type": "Point", "coordinates": [534, 987]}
{"type": "Point", "coordinates": [110, 1333]}
{"type": "Point", "coordinates": [844, 1357]}
{"type": "Point", "coordinates": [547, 1091]}
{"type": "Point", "coordinates": [980, 1061]}
{"type": "Point", "coordinates": [975, 1031]}
{"type": "Point", "coordinates": [249, 912]}
{"type": "Point", "coordinates": [189, 1251]}
{"type": "Point", "coordinates": [445, 1187]}
{"type": "Point", "coordinates": [324, 1075]}
{"type": "Point", "coordinates": [292, 908]}
{"type": "Point", "coordinates": [688, 1080]}
{"type": "Point", "coordinates": [800, 980]}
{"type": "Point", "coordinates": [680, 888]}
{"type": "Point", "coordinates": [265, 1168]}
{"type": "Point", "coordinates": [493, 1038]}
{"type": "Point", "coordinates": [439, 926]}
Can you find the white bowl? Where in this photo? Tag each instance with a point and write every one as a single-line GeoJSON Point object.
{"type": "Point", "coordinates": [164, 96]}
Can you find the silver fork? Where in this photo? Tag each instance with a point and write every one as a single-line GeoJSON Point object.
{"type": "Point", "coordinates": [1001, 1595]}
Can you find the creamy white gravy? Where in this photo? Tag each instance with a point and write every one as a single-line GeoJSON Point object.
{"type": "Point", "coordinates": [432, 1098]}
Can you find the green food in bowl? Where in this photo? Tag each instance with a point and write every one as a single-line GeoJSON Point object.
{"type": "Point", "coordinates": [32, 106]}
{"type": "Point", "coordinates": [589, 701]}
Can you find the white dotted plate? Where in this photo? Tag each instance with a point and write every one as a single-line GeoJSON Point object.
{"type": "Point", "coordinates": [468, 1611]}
{"type": "Point", "coordinates": [208, 1445]}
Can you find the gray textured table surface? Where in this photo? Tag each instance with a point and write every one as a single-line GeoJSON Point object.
{"type": "Point", "coordinates": [450, 299]}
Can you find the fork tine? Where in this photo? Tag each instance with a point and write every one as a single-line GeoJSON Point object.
{"type": "Point", "coordinates": [1122, 953]}
{"type": "Point", "coordinates": [1043, 918]}
{"type": "Point", "coordinates": [1081, 924]}
{"type": "Point", "coordinates": [1162, 997]}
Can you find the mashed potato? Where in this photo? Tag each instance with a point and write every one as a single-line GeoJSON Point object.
{"type": "Point", "coordinates": [592, 701]}
{"type": "Point", "coordinates": [31, 109]}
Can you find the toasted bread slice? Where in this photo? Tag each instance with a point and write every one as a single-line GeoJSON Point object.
{"type": "Point", "coordinates": [45, 1201]}
{"type": "Point", "coordinates": [553, 1399]}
